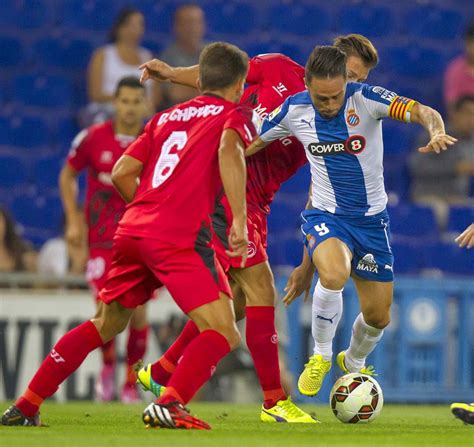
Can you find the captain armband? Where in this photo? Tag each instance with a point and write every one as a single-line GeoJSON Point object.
{"type": "Point", "coordinates": [400, 109]}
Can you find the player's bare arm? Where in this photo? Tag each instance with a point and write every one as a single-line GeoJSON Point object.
{"type": "Point", "coordinates": [69, 190]}
{"type": "Point", "coordinates": [432, 121]}
{"type": "Point", "coordinates": [466, 238]}
{"type": "Point", "coordinates": [125, 176]}
{"type": "Point", "coordinates": [160, 71]}
{"type": "Point", "coordinates": [234, 178]}
{"type": "Point", "coordinates": [255, 147]}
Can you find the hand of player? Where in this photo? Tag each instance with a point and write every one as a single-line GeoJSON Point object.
{"type": "Point", "coordinates": [466, 238]}
{"type": "Point", "coordinates": [73, 234]}
{"type": "Point", "coordinates": [438, 143]}
{"type": "Point", "coordinates": [238, 241]}
{"type": "Point", "coordinates": [155, 69]}
{"type": "Point", "coordinates": [299, 281]}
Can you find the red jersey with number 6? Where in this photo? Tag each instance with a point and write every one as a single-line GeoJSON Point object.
{"type": "Point", "coordinates": [180, 180]}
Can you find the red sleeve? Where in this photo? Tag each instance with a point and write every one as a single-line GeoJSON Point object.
{"type": "Point", "coordinates": [273, 66]}
{"type": "Point", "coordinates": [140, 148]}
{"type": "Point", "coordinates": [254, 75]}
{"type": "Point", "coordinates": [240, 120]}
{"type": "Point", "coordinates": [78, 157]}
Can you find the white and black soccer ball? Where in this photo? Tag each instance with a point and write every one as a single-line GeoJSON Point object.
{"type": "Point", "coordinates": [356, 398]}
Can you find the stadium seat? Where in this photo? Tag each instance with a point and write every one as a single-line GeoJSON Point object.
{"type": "Point", "coordinates": [413, 60]}
{"type": "Point", "coordinates": [94, 15]}
{"type": "Point", "coordinates": [284, 216]}
{"type": "Point", "coordinates": [12, 53]}
{"type": "Point", "coordinates": [46, 172]}
{"type": "Point", "coordinates": [293, 250]}
{"type": "Point", "coordinates": [63, 53]}
{"type": "Point", "coordinates": [159, 16]}
{"type": "Point", "coordinates": [407, 257]}
{"type": "Point", "coordinates": [299, 19]}
{"type": "Point", "coordinates": [460, 217]}
{"type": "Point", "coordinates": [367, 19]}
{"type": "Point", "coordinates": [435, 23]}
{"type": "Point", "coordinates": [224, 17]}
{"type": "Point", "coordinates": [299, 184]}
{"type": "Point", "coordinates": [449, 258]}
{"type": "Point", "coordinates": [5, 134]}
{"type": "Point", "coordinates": [29, 131]}
{"type": "Point", "coordinates": [398, 138]}
{"type": "Point", "coordinates": [64, 132]}
{"type": "Point", "coordinates": [38, 212]}
{"type": "Point", "coordinates": [42, 90]}
{"type": "Point", "coordinates": [12, 172]}
{"type": "Point", "coordinates": [413, 221]}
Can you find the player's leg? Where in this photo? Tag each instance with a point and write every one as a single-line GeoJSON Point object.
{"type": "Point", "coordinates": [136, 348]}
{"type": "Point", "coordinates": [66, 356]}
{"type": "Point", "coordinates": [330, 253]}
{"type": "Point", "coordinates": [375, 300]}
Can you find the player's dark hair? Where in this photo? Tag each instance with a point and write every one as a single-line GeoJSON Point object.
{"type": "Point", "coordinates": [121, 19]}
{"type": "Point", "coordinates": [358, 45]}
{"type": "Point", "coordinates": [326, 62]}
{"type": "Point", "coordinates": [469, 31]}
{"type": "Point", "coordinates": [128, 81]}
{"type": "Point", "coordinates": [462, 101]}
{"type": "Point", "coordinates": [221, 65]}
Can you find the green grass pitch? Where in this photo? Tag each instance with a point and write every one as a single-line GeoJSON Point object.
{"type": "Point", "coordinates": [91, 424]}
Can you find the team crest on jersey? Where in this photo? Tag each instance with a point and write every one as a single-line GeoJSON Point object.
{"type": "Point", "coordinates": [251, 250]}
{"type": "Point", "coordinates": [311, 240]}
{"type": "Point", "coordinates": [274, 113]}
{"type": "Point", "coordinates": [352, 118]}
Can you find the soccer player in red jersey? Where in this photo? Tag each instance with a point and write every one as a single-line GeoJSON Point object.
{"type": "Point", "coordinates": [97, 149]}
{"type": "Point", "coordinates": [271, 78]}
{"type": "Point", "coordinates": [170, 177]}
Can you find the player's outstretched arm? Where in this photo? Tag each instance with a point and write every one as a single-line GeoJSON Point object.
{"type": "Point", "coordinates": [125, 176]}
{"type": "Point", "coordinates": [160, 71]}
{"type": "Point", "coordinates": [256, 146]}
{"type": "Point", "coordinates": [466, 238]}
{"type": "Point", "coordinates": [432, 121]}
{"type": "Point", "coordinates": [69, 189]}
{"type": "Point", "coordinates": [234, 178]}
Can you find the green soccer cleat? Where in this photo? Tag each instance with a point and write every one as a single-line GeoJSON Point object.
{"type": "Point", "coordinates": [14, 416]}
{"type": "Point", "coordinates": [465, 412]}
{"type": "Point", "coordinates": [311, 379]}
{"type": "Point", "coordinates": [286, 411]}
{"type": "Point", "coordinates": [148, 384]}
{"type": "Point", "coordinates": [340, 359]}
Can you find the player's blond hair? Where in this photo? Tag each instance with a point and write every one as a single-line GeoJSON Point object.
{"type": "Point", "coordinates": [358, 45]}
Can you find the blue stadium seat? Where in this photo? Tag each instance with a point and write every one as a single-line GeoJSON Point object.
{"type": "Point", "coordinates": [407, 257]}
{"type": "Point", "coordinates": [367, 19]}
{"type": "Point", "coordinates": [398, 138]}
{"type": "Point", "coordinates": [12, 53]}
{"type": "Point", "coordinates": [65, 131]}
{"type": "Point", "coordinates": [158, 15]}
{"type": "Point", "coordinates": [293, 250]}
{"type": "Point", "coordinates": [46, 172]}
{"type": "Point", "coordinates": [299, 184]}
{"type": "Point", "coordinates": [449, 258]}
{"type": "Point", "coordinates": [38, 212]}
{"type": "Point", "coordinates": [42, 90]}
{"type": "Point", "coordinates": [284, 217]}
{"type": "Point", "coordinates": [300, 19]}
{"type": "Point", "coordinates": [415, 61]}
{"type": "Point", "coordinates": [5, 134]}
{"type": "Point", "coordinates": [433, 22]}
{"type": "Point", "coordinates": [63, 53]}
{"type": "Point", "coordinates": [94, 15]}
{"type": "Point", "coordinates": [12, 172]}
{"type": "Point", "coordinates": [29, 131]}
{"type": "Point", "coordinates": [225, 17]}
{"type": "Point", "coordinates": [414, 221]}
{"type": "Point", "coordinates": [460, 217]}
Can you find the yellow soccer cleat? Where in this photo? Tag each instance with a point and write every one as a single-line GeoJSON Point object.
{"type": "Point", "coordinates": [286, 411]}
{"type": "Point", "coordinates": [340, 359]}
{"type": "Point", "coordinates": [312, 377]}
{"type": "Point", "coordinates": [148, 384]}
{"type": "Point", "coordinates": [465, 412]}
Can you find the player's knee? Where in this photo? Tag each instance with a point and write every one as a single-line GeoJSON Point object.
{"type": "Point", "coordinates": [231, 334]}
{"type": "Point", "coordinates": [334, 279]}
{"type": "Point", "coordinates": [110, 325]}
{"type": "Point", "coordinates": [377, 319]}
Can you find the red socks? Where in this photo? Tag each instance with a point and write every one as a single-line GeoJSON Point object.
{"type": "Point", "coordinates": [162, 369]}
{"type": "Point", "coordinates": [66, 356]}
{"type": "Point", "coordinates": [262, 341]}
{"type": "Point", "coordinates": [108, 352]}
{"type": "Point", "coordinates": [136, 347]}
{"type": "Point", "coordinates": [196, 367]}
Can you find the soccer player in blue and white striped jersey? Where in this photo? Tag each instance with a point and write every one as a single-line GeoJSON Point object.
{"type": "Point", "coordinates": [347, 230]}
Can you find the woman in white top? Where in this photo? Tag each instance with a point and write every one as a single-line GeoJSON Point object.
{"type": "Point", "coordinates": [120, 58]}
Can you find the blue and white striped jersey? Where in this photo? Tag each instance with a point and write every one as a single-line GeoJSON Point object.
{"type": "Point", "coordinates": [345, 152]}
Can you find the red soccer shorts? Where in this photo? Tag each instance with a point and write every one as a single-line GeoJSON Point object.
{"type": "Point", "coordinates": [257, 248]}
{"type": "Point", "coordinates": [139, 266]}
{"type": "Point", "coordinates": [97, 269]}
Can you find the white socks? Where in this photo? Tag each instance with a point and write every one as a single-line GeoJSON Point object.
{"type": "Point", "coordinates": [363, 341]}
{"type": "Point", "coordinates": [326, 314]}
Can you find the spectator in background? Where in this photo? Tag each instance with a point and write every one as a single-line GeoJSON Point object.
{"type": "Point", "coordinates": [189, 28]}
{"type": "Point", "coordinates": [440, 184]}
{"type": "Point", "coordinates": [16, 254]}
{"type": "Point", "coordinates": [459, 75]}
{"type": "Point", "coordinates": [114, 61]}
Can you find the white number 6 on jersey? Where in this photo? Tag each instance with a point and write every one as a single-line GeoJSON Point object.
{"type": "Point", "coordinates": [321, 229]}
{"type": "Point", "coordinates": [167, 162]}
